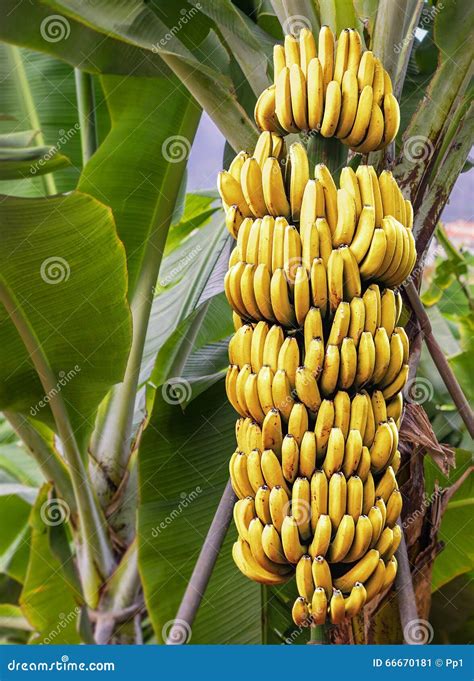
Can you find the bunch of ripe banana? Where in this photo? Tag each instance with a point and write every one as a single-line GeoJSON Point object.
{"type": "Point", "coordinates": [318, 360]}
{"type": "Point", "coordinates": [334, 88]}
{"type": "Point", "coordinates": [341, 237]}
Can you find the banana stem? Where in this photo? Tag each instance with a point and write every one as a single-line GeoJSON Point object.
{"type": "Point", "coordinates": [318, 635]}
{"type": "Point", "coordinates": [87, 118]}
{"type": "Point", "coordinates": [205, 564]}
{"type": "Point", "coordinates": [404, 586]}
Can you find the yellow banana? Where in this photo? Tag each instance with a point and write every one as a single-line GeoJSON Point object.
{"type": "Point", "coordinates": [301, 506]}
{"type": "Point", "coordinates": [323, 426]}
{"type": "Point", "coordinates": [361, 572]}
{"type": "Point", "coordinates": [319, 285]}
{"type": "Point", "coordinates": [262, 504]}
{"type": "Point", "coordinates": [348, 366]}
{"type": "Point", "coordinates": [374, 131]}
{"type": "Point", "coordinates": [388, 310]}
{"type": "Point", "coordinates": [366, 71]}
{"type": "Point", "coordinates": [251, 182]}
{"type": "Point", "coordinates": [264, 389]}
{"type": "Point", "coordinates": [273, 342]}
{"type": "Point", "coordinates": [357, 319]}
{"type": "Point", "coordinates": [241, 346]}
{"type": "Point", "coordinates": [335, 276]}
{"type": "Point", "coordinates": [252, 400]}
{"type": "Point", "coordinates": [349, 101]}
{"type": "Point", "coordinates": [231, 389]}
{"type": "Point", "coordinates": [290, 539]}
{"type": "Point", "coordinates": [382, 508]}
{"type": "Point", "coordinates": [321, 574]}
{"type": "Point", "coordinates": [279, 61]}
{"type": "Point", "coordinates": [382, 355]}
{"type": "Point", "coordinates": [337, 607]}
{"type": "Point", "coordinates": [289, 358]}
{"type": "Point", "coordinates": [319, 606]}
{"type": "Point", "coordinates": [298, 422]}
{"type": "Point", "coordinates": [348, 181]}
{"type": "Point", "coordinates": [278, 239]}
{"type": "Point", "coordinates": [291, 253]}
{"type": "Point", "coordinates": [375, 255]}
{"type": "Point", "coordinates": [355, 492]}
{"type": "Point", "coordinates": [247, 564]}
{"type": "Point", "coordinates": [247, 291]}
{"type": "Point", "coordinates": [272, 434]}
{"type": "Point", "coordinates": [364, 233]}
{"type": "Point", "coordinates": [280, 299]}
{"type": "Point", "coordinates": [304, 577]}
{"type": "Point", "coordinates": [243, 238]}
{"type": "Point", "coordinates": [254, 471]}
{"type": "Point", "coordinates": [274, 188]}
{"type": "Point", "coordinates": [255, 532]}
{"type": "Point", "coordinates": [363, 469]}
{"type": "Point", "coordinates": [312, 205]}
{"type": "Point", "coordinates": [308, 51]}
{"type": "Point", "coordinates": [390, 573]}
{"type": "Point", "coordinates": [241, 476]}
{"type": "Point", "coordinates": [313, 326]}
{"type": "Point", "coordinates": [289, 458]}
{"type": "Point", "coordinates": [299, 172]}
{"type": "Point", "coordinates": [335, 452]}
{"type": "Point", "coordinates": [369, 494]}
{"type": "Point", "coordinates": [355, 51]}
{"type": "Point", "coordinates": [315, 87]}
{"type": "Point", "coordinates": [330, 372]}
{"type": "Point", "coordinates": [370, 425]}
{"type": "Point", "coordinates": [395, 407]}
{"type": "Point", "coordinates": [279, 506]}
{"type": "Point", "coordinates": [292, 51]}
{"type": "Point", "coordinates": [364, 181]}
{"type": "Point", "coordinates": [263, 148]}
{"type": "Point", "coordinates": [337, 499]}
{"type": "Point", "coordinates": [378, 205]}
{"type": "Point", "coordinates": [283, 111]}
{"type": "Point", "coordinates": [378, 82]}
{"type": "Point", "coordinates": [233, 220]}
{"type": "Point", "coordinates": [365, 359]}
{"type": "Point", "coordinates": [346, 218]}
{"type": "Point", "coordinates": [332, 108]}
{"type": "Point", "coordinates": [257, 344]}
{"type": "Point", "coordinates": [314, 357]}
{"type": "Point", "coordinates": [307, 458]}
{"type": "Point", "coordinates": [340, 325]}
{"type": "Point", "coordinates": [352, 286]}
{"type": "Point", "coordinates": [342, 54]}
{"type": "Point", "coordinates": [379, 407]}
{"type": "Point", "coordinates": [400, 331]}
{"type": "Point", "coordinates": [301, 294]}
{"type": "Point", "coordinates": [244, 513]}
{"type": "Point", "coordinates": [386, 485]}
{"type": "Point", "coordinates": [309, 246]}
{"type": "Point", "coordinates": [307, 389]}
{"type": "Point", "coordinates": [374, 584]}
{"type": "Point", "coordinates": [231, 192]}
{"type": "Point", "coordinates": [353, 453]}
{"type": "Point", "coordinates": [391, 113]}
{"type": "Point", "coordinates": [298, 97]}
{"type": "Point", "coordinates": [319, 498]}
{"type": "Point", "coordinates": [321, 173]}
{"type": "Point", "coordinates": [396, 360]}
{"type": "Point", "coordinates": [272, 546]}
{"type": "Point", "coordinates": [354, 603]}
{"type": "Point", "coordinates": [253, 437]}
{"type": "Point", "coordinates": [322, 537]}
{"type": "Point", "coordinates": [359, 409]}
{"type": "Point", "coordinates": [264, 112]}
{"type": "Point", "coordinates": [362, 119]}
{"type": "Point", "coordinates": [281, 393]}
{"type": "Point", "coordinates": [390, 227]}
{"type": "Point", "coordinates": [232, 288]}
{"type": "Point", "coordinates": [362, 540]}
{"type": "Point", "coordinates": [397, 385]}
{"type": "Point", "coordinates": [384, 544]}
{"type": "Point", "coordinates": [397, 538]}
{"type": "Point", "coordinates": [381, 448]}
{"type": "Point", "coordinates": [377, 522]}
{"type": "Point", "coordinates": [342, 411]}
{"type": "Point", "coordinates": [272, 471]}
{"type": "Point", "coordinates": [371, 310]}
{"type": "Point", "coordinates": [343, 539]}
{"type": "Point", "coordinates": [326, 54]}
{"type": "Point", "coordinates": [394, 507]}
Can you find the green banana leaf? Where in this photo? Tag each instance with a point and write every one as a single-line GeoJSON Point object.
{"type": "Point", "coordinates": [45, 99]}
{"type": "Point", "coordinates": [182, 474]}
{"type": "Point", "coordinates": [49, 601]}
{"type": "Point", "coordinates": [20, 160]}
{"type": "Point", "coordinates": [456, 529]}
{"type": "Point", "coordinates": [31, 24]}
{"type": "Point", "coordinates": [138, 169]}
{"type": "Point", "coordinates": [76, 309]}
